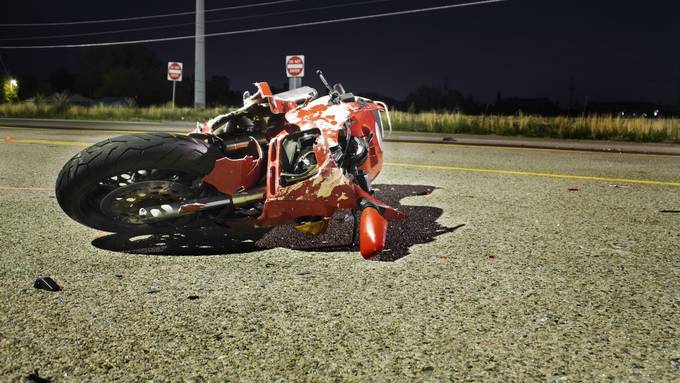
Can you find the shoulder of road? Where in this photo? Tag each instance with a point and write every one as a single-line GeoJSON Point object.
{"type": "Point", "coordinates": [396, 136]}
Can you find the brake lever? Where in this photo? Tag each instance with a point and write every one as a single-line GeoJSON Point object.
{"type": "Point", "coordinates": [323, 80]}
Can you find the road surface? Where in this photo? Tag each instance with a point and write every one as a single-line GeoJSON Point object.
{"type": "Point", "coordinates": [514, 265]}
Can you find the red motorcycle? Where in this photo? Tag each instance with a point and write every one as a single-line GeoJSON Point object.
{"type": "Point", "coordinates": [281, 158]}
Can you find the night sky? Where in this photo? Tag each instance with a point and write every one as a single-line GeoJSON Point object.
{"type": "Point", "coordinates": [614, 50]}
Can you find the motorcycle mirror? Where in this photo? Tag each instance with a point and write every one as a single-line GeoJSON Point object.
{"type": "Point", "coordinates": [339, 88]}
{"type": "Point", "coordinates": [323, 80]}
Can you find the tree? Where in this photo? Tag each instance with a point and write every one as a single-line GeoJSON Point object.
{"type": "Point", "coordinates": [218, 92]}
{"type": "Point", "coordinates": [124, 72]}
{"type": "Point", "coordinates": [10, 89]}
{"type": "Point", "coordinates": [29, 86]}
{"type": "Point", "coordinates": [62, 80]}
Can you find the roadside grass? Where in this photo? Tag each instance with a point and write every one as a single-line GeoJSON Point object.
{"type": "Point", "coordinates": [582, 127]}
{"type": "Point", "coordinates": [111, 113]}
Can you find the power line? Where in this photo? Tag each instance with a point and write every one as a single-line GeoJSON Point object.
{"type": "Point", "coordinates": [187, 24]}
{"type": "Point", "coordinates": [278, 27]}
{"type": "Point", "coordinates": [146, 17]}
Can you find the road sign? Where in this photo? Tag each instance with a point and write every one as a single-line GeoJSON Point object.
{"type": "Point", "coordinates": [174, 71]}
{"type": "Point", "coordinates": [295, 66]}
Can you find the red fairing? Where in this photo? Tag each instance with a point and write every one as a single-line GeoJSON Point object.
{"type": "Point", "coordinates": [387, 211]}
{"type": "Point", "coordinates": [319, 195]}
{"type": "Point", "coordinates": [229, 176]}
{"type": "Point", "coordinates": [372, 233]}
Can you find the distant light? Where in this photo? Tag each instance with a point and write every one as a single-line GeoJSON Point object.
{"type": "Point", "coordinates": [656, 113]}
{"type": "Point", "coordinates": [13, 82]}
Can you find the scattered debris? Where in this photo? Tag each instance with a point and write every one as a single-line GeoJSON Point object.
{"type": "Point", "coordinates": [448, 139]}
{"type": "Point", "coordinates": [427, 370]}
{"type": "Point", "coordinates": [46, 283]}
{"type": "Point", "coordinates": [491, 257]}
{"type": "Point", "coordinates": [669, 211]}
{"type": "Point", "coordinates": [444, 257]}
{"type": "Point", "coordinates": [36, 378]}
{"type": "Point", "coordinates": [303, 273]}
{"type": "Point", "coordinates": [269, 265]}
{"type": "Point", "coordinates": [619, 186]}
{"type": "Point", "coordinates": [9, 139]}
{"type": "Point", "coordinates": [675, 363]}
{"type": "Point", "coordinates": [192, 297]}
{"type": "Point", "coordinates": [119, 276]}
{"type": "Point", "coordinates": [153, 290]}
{"type": "Point", "coordinates": [574, 189]}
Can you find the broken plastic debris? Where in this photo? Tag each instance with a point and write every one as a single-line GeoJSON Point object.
{"type": "Point", "coordinates": [192, 297]}
{"type": "Point", "coordinates": [46, 283]}
{"type": "Point", "coordinates": [619, 186]}
{"type": "Point", "coordinates": [492, 257]}
{"type": "Point", "coordinates": [574, 189]}
{"type": "Point", "coordinates": [443, 257]}
{"type": "Point", "coordinates": [36, 378]}
{"type": "Point", "coordinates": [669, 211]}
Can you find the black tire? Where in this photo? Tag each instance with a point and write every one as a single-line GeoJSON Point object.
{"type": "Point", "coordinates": [79, 178]}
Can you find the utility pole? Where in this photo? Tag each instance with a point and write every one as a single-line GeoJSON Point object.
{"type": "Point", "coordinates": [199, 70]}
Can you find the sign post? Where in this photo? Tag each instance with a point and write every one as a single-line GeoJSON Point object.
{"type": "Point", "coordinates": [295, 70]}
{"type": "Point", "coordinates": [174, 75]}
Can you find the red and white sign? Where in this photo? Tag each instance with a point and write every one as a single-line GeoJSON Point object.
{"type": "Point", "coordinates": [295, 66]}
{"type": "Point", "coordinates": [174, 71]}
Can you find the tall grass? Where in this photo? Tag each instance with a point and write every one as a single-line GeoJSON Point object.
{"type": "Point", "coordinates": [114, 113]}
{"type": "Point", "coordinates": [583, 127]}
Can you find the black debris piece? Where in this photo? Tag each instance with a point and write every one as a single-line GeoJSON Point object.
{"type": "Point", "coordinates": [153, 290]}
{"type": "Point", "coordinates": [192, 297]}
{"type": "Point", "coordinates": [46, 283]}
{"type": "Point", "coordinates": [36, 378]}
{"type": "Point", "coordinates": [449, 139]}
{"type": "Point", "coordinates": [670, 211]}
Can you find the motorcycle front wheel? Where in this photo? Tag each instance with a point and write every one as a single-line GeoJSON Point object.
{"type": "Point", "coordinates": [110, 184]}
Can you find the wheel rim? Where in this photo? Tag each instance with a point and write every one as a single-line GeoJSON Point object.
{"type": "Point", "coordinates": [143, 202]}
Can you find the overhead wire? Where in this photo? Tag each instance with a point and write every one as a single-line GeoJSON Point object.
{"type": "Point", "coordinates": [344, 5]}
{"type": "Point", "coordinates": [262, 29]}
{"type": "Point", "coordinates": [146, 17]}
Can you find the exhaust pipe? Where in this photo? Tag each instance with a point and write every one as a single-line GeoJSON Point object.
{"type": "Point", "coordinates": [175, 210]}
{"type": "Point", "coordinates": [220, 202]}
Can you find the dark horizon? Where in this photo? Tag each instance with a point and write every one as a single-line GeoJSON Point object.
{"type": "Point", "coordinates": [528, 49]}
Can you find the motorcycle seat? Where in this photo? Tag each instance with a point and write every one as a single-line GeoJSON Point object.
{"type": "Point", "coordinates": [298, 95]}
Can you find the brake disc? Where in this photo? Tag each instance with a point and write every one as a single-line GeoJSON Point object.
{"type": "Point", "coordinates": [143, 202]}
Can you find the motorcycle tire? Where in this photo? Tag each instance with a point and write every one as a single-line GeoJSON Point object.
{"type": "Point", "coordinates": [79, 184]}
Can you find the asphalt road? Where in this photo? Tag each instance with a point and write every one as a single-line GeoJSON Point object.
{"type": "Point", "coordinates": [500, 273]}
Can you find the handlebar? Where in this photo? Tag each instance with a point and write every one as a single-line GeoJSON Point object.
{"type": "Point", "coordinates": [323, 80]}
